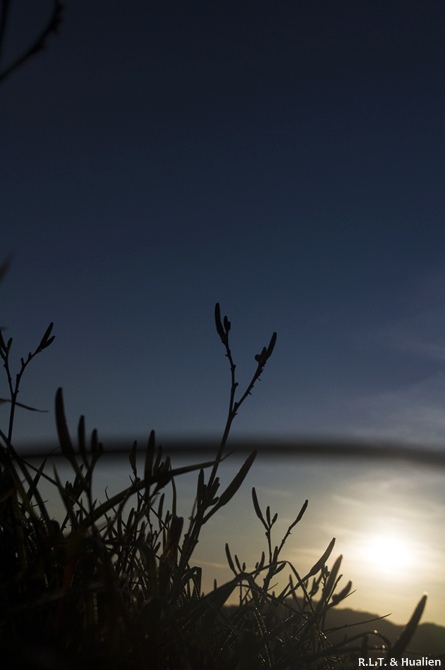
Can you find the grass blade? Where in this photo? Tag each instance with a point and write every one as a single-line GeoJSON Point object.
{"type": "Point", "coordinates": [233, 487]}
{"type": "Point", "coordinates": [409, 630]}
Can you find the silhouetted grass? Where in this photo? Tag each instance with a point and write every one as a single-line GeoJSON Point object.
{"type": "Point", "coordinates": [112, 583]}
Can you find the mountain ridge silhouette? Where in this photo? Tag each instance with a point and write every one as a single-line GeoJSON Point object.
{"type": "Point", "coordinates": [428, 639]}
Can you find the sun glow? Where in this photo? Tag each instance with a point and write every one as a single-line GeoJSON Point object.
{"type": "Point", "coordinates": [390, 554]}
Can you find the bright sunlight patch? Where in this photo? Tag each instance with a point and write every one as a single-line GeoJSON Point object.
{"type": "Point", "coordinates": [390, 554]}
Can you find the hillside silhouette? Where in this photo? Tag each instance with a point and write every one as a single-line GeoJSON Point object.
{"type": "Point", "coordinates": [428, 639]}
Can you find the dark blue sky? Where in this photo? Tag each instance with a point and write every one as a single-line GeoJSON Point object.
{"type": "Point", "coordinates": [283, 158]}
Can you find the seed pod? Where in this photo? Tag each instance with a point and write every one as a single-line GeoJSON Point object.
{"type": "Point", "coordinates": [218, 324]}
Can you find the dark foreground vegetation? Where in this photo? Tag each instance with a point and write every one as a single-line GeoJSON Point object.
{"type": "Point", "coordinates": [112, 583]}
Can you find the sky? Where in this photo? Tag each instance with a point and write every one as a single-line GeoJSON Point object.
{"type": "Point", "coordinates": [283, 159]}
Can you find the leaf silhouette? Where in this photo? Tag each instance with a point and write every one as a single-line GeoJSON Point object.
{"type": "Point", "coordinates": [20, 404]}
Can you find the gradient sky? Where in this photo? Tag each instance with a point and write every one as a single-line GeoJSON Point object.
{"type": "Point", "coordinates": [285, 159]}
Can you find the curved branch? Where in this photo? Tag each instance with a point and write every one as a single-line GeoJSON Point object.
{"type": "Point", "coordinates": [39, 43]}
